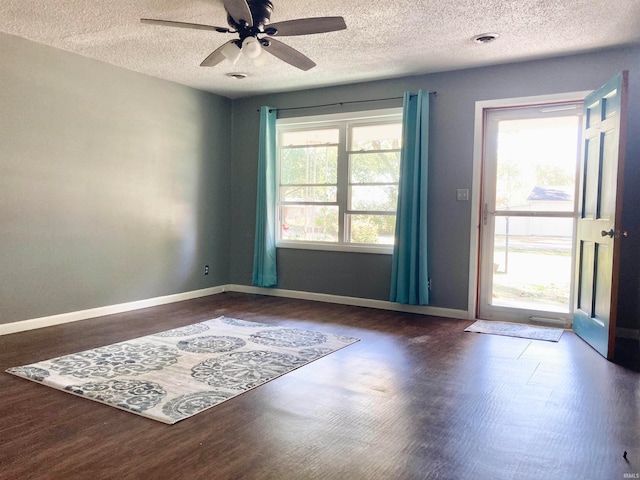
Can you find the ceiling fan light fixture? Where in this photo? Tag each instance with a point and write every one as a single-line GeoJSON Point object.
{"type": "Point", "coordinates": [231, 52]}
{"type": "Point", "coordinates": [485, 38]}
{"type": "Point", "coordinates": [251, 47]}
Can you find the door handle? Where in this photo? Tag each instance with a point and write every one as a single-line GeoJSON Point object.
{"type": "Point", "coordinates": [485, 214]}
{"type": "Point", "coordinates": [613, 233]}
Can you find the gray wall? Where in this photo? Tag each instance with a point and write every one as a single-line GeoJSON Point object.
{"type": "Point", "coordinates": [451, 151]}
{"type": "Point", "coordinates": [113, 185]}
{"type": "Point", "coordinates": [117, 187]}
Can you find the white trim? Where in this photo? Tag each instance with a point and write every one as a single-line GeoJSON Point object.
{"type": "Point", "coordinates": [474, 245]}
{"type": "Point", "coordinates": [533, 100]}
{"type": "Point", "coordinates": [31, 324]}
{"type": "Point", "coordinates": [337, 247]}
{"type": "Point", "coordinates": [319, 118]}
{"type": "Point", "coordinates": [478, 141]}
{"type": "Point", "coordinates": [354, 301]}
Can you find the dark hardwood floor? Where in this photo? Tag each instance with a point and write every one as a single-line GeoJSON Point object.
{"type": "Point", "coordinates": [415, 398]}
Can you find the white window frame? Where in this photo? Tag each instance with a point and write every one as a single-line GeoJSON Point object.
{"type": "Point", "coordinates": [343, 122]}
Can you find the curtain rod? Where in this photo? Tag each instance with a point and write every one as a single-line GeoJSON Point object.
{"type": "Point", "coordinates": [336, 104]}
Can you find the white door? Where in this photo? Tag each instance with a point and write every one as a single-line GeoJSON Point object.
{"type": "Point", "coordinates": [528, 213]}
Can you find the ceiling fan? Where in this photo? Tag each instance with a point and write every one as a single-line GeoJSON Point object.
{"type": "Point", "coordinates": [250, 20]}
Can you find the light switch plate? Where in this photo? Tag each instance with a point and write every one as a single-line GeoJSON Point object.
{"type": "Point", "coordinates": [462, 194]}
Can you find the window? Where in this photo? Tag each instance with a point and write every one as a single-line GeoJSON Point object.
{"type": "Point", "coordinates": [338, 180]}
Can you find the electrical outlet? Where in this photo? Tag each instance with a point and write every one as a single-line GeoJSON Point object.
{"type": "Point", "coordinates": [206, 269]}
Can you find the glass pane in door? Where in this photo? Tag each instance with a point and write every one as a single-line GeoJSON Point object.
{"type": "Point", "coordinates": [536, 164]}
{"type": "Point", "coordinates": [532, 263]}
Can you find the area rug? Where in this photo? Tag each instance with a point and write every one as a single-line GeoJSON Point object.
{"type": "Point", "coordinates": [516, 330]}
{"type": "Point", "coordinates": [175, 374]}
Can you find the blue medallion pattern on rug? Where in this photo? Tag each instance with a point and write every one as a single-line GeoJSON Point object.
{"type": "Point", "coordinates": [243, 323]}
{"type": "Point", "coordinates": [288, 337]}
{"type": "Point", "coordinates": [211, 344]}
{"type": "Point", "coordinates": [186, 405]}
{"type": "Point", "coordinates": [32, 373]}
{"type": "Point", "coordinates": [344, 339]}
{"type": "Point", "coordinates": [172, 375]}
{"type": "Point", "coordinates": [310, 354]}
{"type": "Point", "coordinates": [135, 395]}
{"type": "Point", "coordinates": [116, 360]}
{"type": "Point", "coordinates": [244, 370]}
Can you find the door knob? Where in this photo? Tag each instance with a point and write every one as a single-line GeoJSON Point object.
{"type": "Point", "coordinates": [612, 233]}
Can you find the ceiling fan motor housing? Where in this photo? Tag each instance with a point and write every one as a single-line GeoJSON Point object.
{"type": "Point", "coordinates": [261, 11]}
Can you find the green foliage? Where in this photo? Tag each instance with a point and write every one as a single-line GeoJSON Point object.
{"type": "Point", "coordinates": [309, 194]}
{"type": "Point", "coordinates": [308, 165]}
{"type": "Point", "coordinates": [373, 229]}
{"type": "Point", "coordinates": [326, 223]}
{"type": "Point", "coordinates": [364, 229]}
{"type": "Point", "coordinates": [380, 167]}
{"type": "Point", "coordinates": [509, 185]}
{"type": "Point", "coordinates": [549, 175]}
{"type": "Point", "coordinates": [311, 223]}
{"type": "Point", "coordinates": [382, 198]}
{"type": "Point", "coordinates": [376, 137]}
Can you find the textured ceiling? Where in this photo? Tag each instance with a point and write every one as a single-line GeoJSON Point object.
{"type": "Point", "coordinates": [384, 39]}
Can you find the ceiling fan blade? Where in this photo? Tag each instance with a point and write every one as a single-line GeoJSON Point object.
{"type": "Point", "coordinates": [239, 11]}
{"type": "Point", "coordinates": [216, 56]}
{"type": "Point", "coordinates": [196, 26]}
{"type": "Point", "coordinates": [306, 26]}
{"type": "Point", "coordinates": [289, 55]}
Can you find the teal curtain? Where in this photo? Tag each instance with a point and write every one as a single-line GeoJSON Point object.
{"type": "Point", "coordinates": [409, 273]}
{"type": "Point", "coordinates": [264, 252]}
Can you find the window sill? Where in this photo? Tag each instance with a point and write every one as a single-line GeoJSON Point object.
{"type": "Point", "coordinates": [333, 247]}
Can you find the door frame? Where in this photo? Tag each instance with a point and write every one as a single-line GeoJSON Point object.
{"type": "Point", "coordinates": [478, 151]}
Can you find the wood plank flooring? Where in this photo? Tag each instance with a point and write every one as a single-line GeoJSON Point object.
{"type": "Point", "coordinates": [416, 398]}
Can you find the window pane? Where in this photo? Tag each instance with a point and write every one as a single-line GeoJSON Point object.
{"type": "Point", "coordinates": [310, 137]}
{"type": "Point", "coordinates": [376, 137]}
{"type": "Point", "coordinates": [304, 222]}
{"type": "Point", "coordinates": [532, 263]}
{"type": "Point", "coordinates": [309, 165]}
{"type": "Point", "coordinates": [373, 229]}
{"type": "Point", "coordinates": [536, 167]}
{"type": "Point", "coordinates": [381, 167]}
{"type": "Point", "coordinates": [318, 159]}
{"type": "Point", "coordinates": [308, 194]}
{"type": "Point", "coordinates": [374, 197]}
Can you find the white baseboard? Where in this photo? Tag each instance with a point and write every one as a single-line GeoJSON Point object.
{"type": "Point", "coordinates": [31, 324]}
{"type": "Point", "coordinates": [354, 301]}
